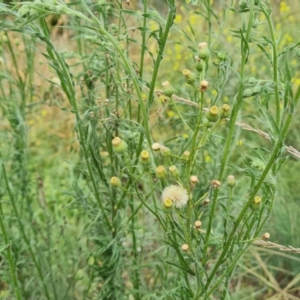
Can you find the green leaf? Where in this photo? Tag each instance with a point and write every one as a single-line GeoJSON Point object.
{"type": "Point", "coordinates": [188, 270]}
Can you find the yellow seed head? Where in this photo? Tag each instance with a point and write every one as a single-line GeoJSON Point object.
{"type": "Point", "coordinates": [213, 114]}
{"type": "Point", "coordinates": [168, 203]}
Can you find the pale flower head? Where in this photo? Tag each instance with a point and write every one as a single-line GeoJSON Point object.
{"type": "Point", "coordinates": [177, 194]}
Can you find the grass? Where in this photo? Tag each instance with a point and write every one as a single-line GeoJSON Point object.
{"type": "Point", "coordinates": [100, 122]}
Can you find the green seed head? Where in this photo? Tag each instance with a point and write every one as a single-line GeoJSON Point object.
{"type": "Point", "coordinates": [213, 114]}
{"type": "Point", "coordinates": [231, 181]}
{"type": "Point", "coordinates": [225, 111]}
{"type": "Point", "coordinates": [248, 93]}
{"type": "Point", "coordinates": [203, 52]}
{"type": "Point", "coordinates": [174, 171]}
{"type": "Point", "coordinates": [115, 182]}
{"type": "Point", "coordinates": [168, 89]}
{"type": "Point", "coordinates": [243, 4]}
{"type": "Point", "coordinates": [189, 76]}
{"type": "Point", "coordinates": [256, 202]}
{"type": "Point", "coordinates": [119, 145]}
{"type": "Point", "coordinates": [145, 157]}
{"type": "Point", "coordinates": [161, 172]}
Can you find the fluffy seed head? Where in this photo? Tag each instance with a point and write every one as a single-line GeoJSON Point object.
{"type": "Point", "coordinates": [177, 194]}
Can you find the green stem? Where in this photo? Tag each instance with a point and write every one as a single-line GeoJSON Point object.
{"type": "Point", "coordinates": [162, 44]}
{"type": "Point", "coordinates": [143, 39]}
{"type": "Point", "coordinates": [68, 87]}
{"type": "Point", "coordinates": [248, 203]}
{"type": "Point", "coordinates": [231, 129]}
{"type": "Point", "coordinates": [25, 238]}
{"type": "Point", "coordinates": [275, 62]}
{"type": "Point", "coordinates": [129, 69]}
{"type": "Point", "coordinates": [10, 258]}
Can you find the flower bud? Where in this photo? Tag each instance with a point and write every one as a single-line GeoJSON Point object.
{"type": "Point", "coordinates": [165, 151]}
{"type": "Point", "coordinates": [225, 111]}
{"type": "Point", "coordinates": [252, 80]}
{"type": "Point", "coordinates": [174, 171]}
{"type": "Point", "coordinates": [203, 85]}
{"type": "Point", "coordinates": [186, 154]}
{"type": "Point", "coordinates": [206, 201]}
{"type": "Point", "coordinates": [243, 4]}
{"type": "Point", "coordinates": [198, 224]}
{"type": "Point", "coordinates": [256, 203]}
{"type": "Point", "coordinates": [231, 181]}
{"type": "Point", "coordinates": [203, 52]}
{"type": "Point", "coordinates": [256, 90]}
{"type": "Point", "coordinates": [119, 145]}
{"type": "Point", "coordinates": [199, 64]}
{"type": "Point", "coordinates": [145, 157]}
{"type": "Point", "coordinates": [194, 179]}
{"type": "Point", "coordinates": [155, 147]}
{"type": "Point", "coordinates": [161, 172]}
{"type": "Point", "coordinates": [168, 89]}
{"type": "Point", "coordinates": [255, 23]}
{"type": "Point", "coordinates": [115, 181]}
{"type": "Point", "coordinates": [247, 93]}
{"type": "Point", "coordinates": [213, 114]}
{"type": "Point", "coordinates": [189, 76]}
{"type": "Point", "coordinates": [215, 184]}
{"type": "Point", "coordinates": [222, 56]}
{"type": "Point", "coordinates": [185, 247]}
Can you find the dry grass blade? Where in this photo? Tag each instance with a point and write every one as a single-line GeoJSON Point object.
{"type": "Point", "coordinates": [268, 244]}
{"type": "Point", "coordinates": [244, 126]}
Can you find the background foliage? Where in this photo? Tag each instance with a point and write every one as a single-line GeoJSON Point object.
{"type": "Point", "coordinates": [61, 245]}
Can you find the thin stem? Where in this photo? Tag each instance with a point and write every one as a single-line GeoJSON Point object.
{"type": "Point", "coordinates": [248, 203]}
{"type": "Point", "coordinates": [10, 258]}
{"type": "Point", "coordinates": [25, 238]}
{"type": "Point", "coordinates": [232, 126]}
{"type": "Point", "coordinates": [275, 61]}
{"type": "Point", "coordinates": [143, 48]}
{"type": "Point", "coordinates": [162, 44]}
